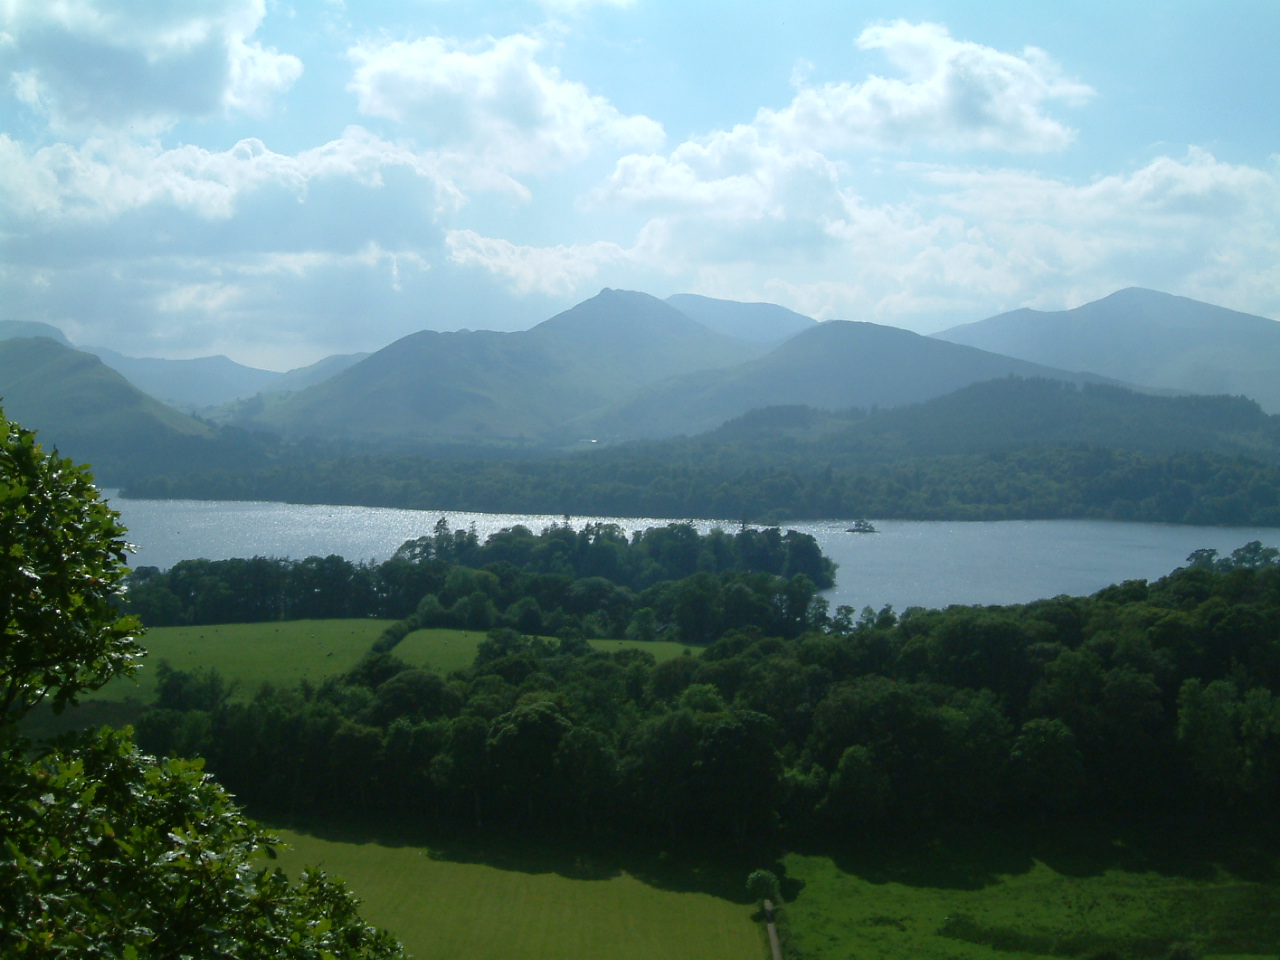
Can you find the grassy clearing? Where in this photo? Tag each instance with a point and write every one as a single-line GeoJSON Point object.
{"type": "Point", "coordinates": [447, 650]}
{"type": "Point", "coordinates": [1088, 900]}
{"type": "Point", "coordinates": [442, 908]}
{"type": "Point", "coordinates": [443, 651]}
{"type": "Point", "coordinates": [281, 653]}
{"type": "Point", "coordinates": [251, 653]}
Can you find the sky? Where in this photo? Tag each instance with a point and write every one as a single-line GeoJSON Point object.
{"type": "Point", "coordinates": [280, 181]}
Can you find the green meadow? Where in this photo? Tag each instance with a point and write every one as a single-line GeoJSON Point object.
{"type": "Point", "coordinates": [994, 896]}
{"type": "Point", "coordinates": [281, 652]}
{"type": "Point", "coordinates": [442, 908]}
{"type": "Point", "coordinates": [286, 652]}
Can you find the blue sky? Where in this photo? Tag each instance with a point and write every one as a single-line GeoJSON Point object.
{"type": "Point", "coordinates": [281, 181]}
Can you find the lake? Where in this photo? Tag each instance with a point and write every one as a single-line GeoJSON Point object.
{"type": "Point", "coordinates": [907, 563]}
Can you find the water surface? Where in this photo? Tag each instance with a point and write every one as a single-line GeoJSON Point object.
{"type": "Point", "coordinates": [907, 563]}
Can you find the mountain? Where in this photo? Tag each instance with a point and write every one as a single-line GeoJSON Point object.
{"type": "Point", "coordinates": [190, 385]}
{"type": "Point", "coordinates": [1146, 337]}
{"type": "Point", "coordinates": [1012, 413]}
{"type": "Point", "coordinates": [766, 324]}
{"type": "Point", "coordinates": [300, 378]}
{"type": "Point", "coordinates": [832, 366]}
{"type": "Point", "coordinates": [511, 387]}
{"type": "Point", "coordinates": [91, 412]}
{"type": "Point", "coordinates": [11, 329]}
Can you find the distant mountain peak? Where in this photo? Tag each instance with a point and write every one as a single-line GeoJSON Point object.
{"type": "Point", "coordinates": [1145, 337]}
{"type": "Point", "coordinates": [764, 324]}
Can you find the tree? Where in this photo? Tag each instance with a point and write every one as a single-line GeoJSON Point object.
{"type": "Point", "coordinates": [61, 566]}
{"type": "Point", "coordinates": [763, 885]}
{"type": "Point", "coordinates": [107, 852]}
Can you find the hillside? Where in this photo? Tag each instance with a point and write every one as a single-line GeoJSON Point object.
{"type": "Point", "coordinates": [766, 324]}
{"type": "Point", "coordinates": [1009, 414]}
{"type": "Point", "coordinates": [91, 412]}
{"type": "Point", "coordinates": [13, 329]}
{"type": "Point", "coordinates": [832, 366]}
{"type": "Point", "coordinates": [1004, 449]}
{"type": "Point", "coordinates": [507, 387]}
{"type": "Point", "coordinates": [190, 385]}
{"type": "Point", "coordinates": [1144, 337]}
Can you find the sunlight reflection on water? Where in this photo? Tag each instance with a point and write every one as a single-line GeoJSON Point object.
{"type": "Point", "coordinates": [907, 563]}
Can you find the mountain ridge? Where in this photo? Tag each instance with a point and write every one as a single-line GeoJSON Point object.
{"type": "Point", "coordinates": [1146, 337]}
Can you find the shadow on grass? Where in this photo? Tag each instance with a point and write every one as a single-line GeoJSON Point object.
{"type": "Point", "coordinates": [977, 856]}
{"type": "Point", "coordinates": [686, 869]}
{"type": "Point", "coordinates": [962, 858]}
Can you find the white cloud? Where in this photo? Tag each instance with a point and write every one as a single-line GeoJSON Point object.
{"type": "Point", "coordinates": [105, 178]}
{"type": "Point", "coordinates": [491, 103]}
{"type": "Point", "coordinates": [955, 95]}
{"type": "Point", "coordinates": [93, 64]}
{"type": "Point", "coordinates": [791, 162]}
{"type": "Point", "coordinates": [550, 270]}
{"type": "Point", "coordinates": [968, 243]}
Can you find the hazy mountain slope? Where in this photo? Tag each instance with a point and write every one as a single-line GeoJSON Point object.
{"type": "Point", "coordinates": [11, 329]}
{"type": "Point", "coordinates": [620, 339]}
{"type": "Point", "coordinates": [833, 366]}
{"type": "Point", "coordinates": [89, 411]}
{"type": "Point", "coordinates": [1011, 413]}
{"type": "Point", "coordinates": [766, 324]}
{"type": "Point", "coordinates": [189, 384]}
{"type": "Point", "coordinates": [471, 385]}
{"type": "Point", "coordinates": [1142, 336]}
{"type": "Point", "coordinates": [300, 378]}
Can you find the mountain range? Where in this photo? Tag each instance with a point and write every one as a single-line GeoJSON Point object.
{"type": "Point", "coordinates": [193, 385]}
{"type": "Point", "coordinates": [1147, 337]}
{"type": "Point", "coordinates": [624, 365]}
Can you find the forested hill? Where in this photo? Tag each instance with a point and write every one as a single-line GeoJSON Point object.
{"type": "Point", "coordinates": [835, 365]}
{"type": "Point", "coordinates": [1147, 337]}
{"type": "Point", "coordinates": [1009, 448]}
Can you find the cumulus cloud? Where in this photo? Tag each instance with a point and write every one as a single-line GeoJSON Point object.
{"type": "Point", "coordinates": [93, 64]}
{"type": "Point", "coordinates": [952, 95]}
{"type": "Point", "coordinates": [969, 243]}
{"type": "Point", "coordinates": [104, 178]}
{"type": "Point", "coordinates": [528, 269]}
{"type": "Point", "coordinates": [491, 103]}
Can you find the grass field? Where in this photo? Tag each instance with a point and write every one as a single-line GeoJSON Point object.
{"type": "Point", "coordinates": [251, 653]}
{"type": "Point", "coordinates": [1073, 898]}
{"type": "Point", "coordinates": [292, 650]}
{"type": "Point", "coordinates": [281, 653]}
{"type": "Point", "coordinates": [442, 908]}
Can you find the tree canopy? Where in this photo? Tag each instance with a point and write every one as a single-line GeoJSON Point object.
{"type": "Point", "coordinates": [104, 851]}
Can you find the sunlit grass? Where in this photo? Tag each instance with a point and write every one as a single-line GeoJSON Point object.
{"type": "Point", "coordinates": [282, 652]}
{"type": "Point", "coordinates": [441, 908]}
{"type": "Point", "coordinates": [941, 901]}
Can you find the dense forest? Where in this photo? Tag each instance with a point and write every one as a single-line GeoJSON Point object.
{"type": "Point", "coordinates": [1144, 699]}
{"type": "Point", "coordinates": [665, 582]}
{"type": "Point", "coordinates": [1006, 449]}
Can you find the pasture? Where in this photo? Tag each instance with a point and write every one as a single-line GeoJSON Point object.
{"type": "Point", "coordinates": [286, 652]}
{"type": "Point", "coordinates": [444, 908]}
{"type": "Point", "coordinates": [279, 652]}
{"type": "Point", "coordinates": [1003, 897]}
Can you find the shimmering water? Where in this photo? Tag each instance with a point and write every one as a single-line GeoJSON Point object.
{"type": "Point", "coordinates": [906, 563]}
